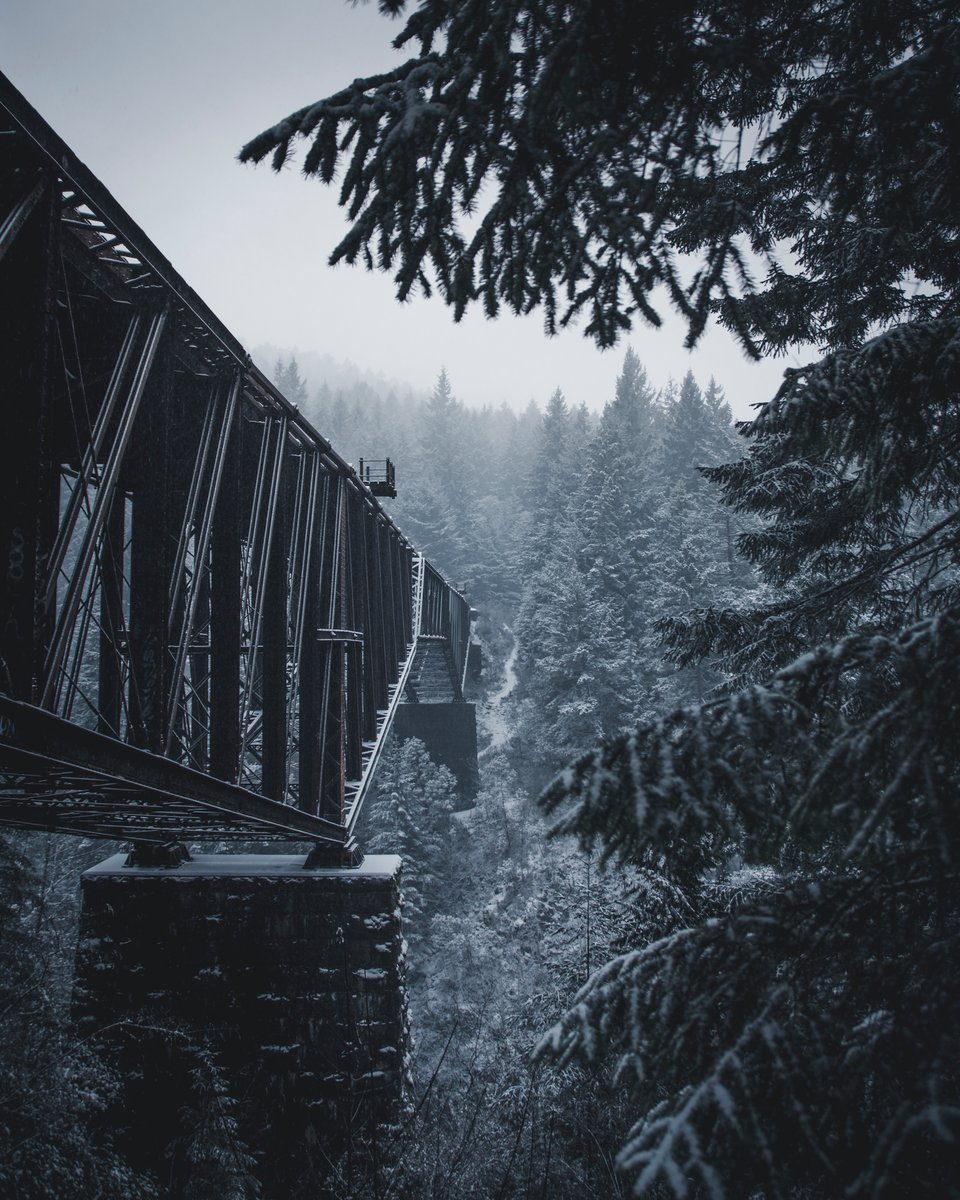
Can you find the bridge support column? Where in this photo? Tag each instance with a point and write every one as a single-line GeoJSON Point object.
{"type": "Point", "coordinates": [449, 732]}
{"type": "Point", "coordinates": [293, 978]}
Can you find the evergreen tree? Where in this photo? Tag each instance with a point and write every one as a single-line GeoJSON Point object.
{"type": "Point", "coordinates": [409, 815]}
{"type": "Point", "coordinates": [717, 405]}
{"type": "Point", "coordinates": [551, 491]}
{"type": "Point", "coordinates": [443, 444]}
{"type": "Point", "coordinates": [289, 382]}
{"type": "Point", "coordinates": [633, 409]}
{"type": "Point", "coordinates": [692, 436]}
{"type": "Point", "coordinates": [584, 427]}
{"type": "Point", "coordinates": [619, 134]}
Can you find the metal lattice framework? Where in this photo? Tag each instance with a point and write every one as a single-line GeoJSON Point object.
{"type": "Point", "coordinates": [207, 618]}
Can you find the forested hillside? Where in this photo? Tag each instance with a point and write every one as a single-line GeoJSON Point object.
{"type": "Point", "coordinates": [574, 534]}
{"type": "Point", "coordinates": [698, 938]}
{"type": "Point", "coordinates": [577, 535]}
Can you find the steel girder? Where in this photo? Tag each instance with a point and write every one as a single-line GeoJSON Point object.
{"type": "Point", "coordinates": [207, 618]}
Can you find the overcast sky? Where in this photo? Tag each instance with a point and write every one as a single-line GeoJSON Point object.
{"type": "Point", "coordinates": [157, 97]}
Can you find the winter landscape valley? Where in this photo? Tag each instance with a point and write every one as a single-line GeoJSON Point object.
{"type": "Point", "coordinates": [665, 902]}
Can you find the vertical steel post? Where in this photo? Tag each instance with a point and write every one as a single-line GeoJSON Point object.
{"type": "Point", "coordinates": [334, 604]}
{"type": "Point", "coordinates": [199, 659]}
{"type": "Point", "coordinates": [304, 553]}
{"type": "Point", "coordinates": [29, 477]}
{"type": "Point", "coordinates": [310, 724]}
{"type": "Point", "coordinates": [225, 603]}
{"type": "Point", "coordinates": [275, 640]}
{"type": "Point", "coordinates": [151, 558]}
{"type": "Point", "coordinates": [112, 632]}
{"type": "Point", "coordinates": [261, 532]}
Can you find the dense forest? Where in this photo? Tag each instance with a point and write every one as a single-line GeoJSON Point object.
{"type": "Point", "coordinates": [576, 535]}
{"type": "Point", "coordinates": [765, 967]}
{"type": "Point", "coordinates": [699, 935]}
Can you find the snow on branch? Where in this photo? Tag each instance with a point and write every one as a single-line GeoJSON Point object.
{"type": "Point", "coordinates": [756, 1041]}
{"type": "Point", "coordinates": [845, 744]}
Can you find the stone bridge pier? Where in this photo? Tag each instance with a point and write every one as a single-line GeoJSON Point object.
{"type": "Point", "coordinates": [292, 977]}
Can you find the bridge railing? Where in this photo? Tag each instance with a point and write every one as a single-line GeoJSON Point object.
{"type": "Point", "coordinates": [192, 571]}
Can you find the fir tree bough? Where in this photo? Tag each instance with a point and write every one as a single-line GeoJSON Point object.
{"type": "Point", "coordinates": [791, 169]}
{"type": "Point", "coordinates": [563, 155]}
{"type": "Point", "coordinates": [797, 1037]}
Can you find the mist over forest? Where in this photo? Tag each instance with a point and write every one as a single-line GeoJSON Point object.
{"type": "Point", "coordinates": [696, 935]}
{"type": "Point", "coordinates": [573, 534]}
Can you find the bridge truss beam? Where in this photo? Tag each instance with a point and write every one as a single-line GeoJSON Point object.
{"type": "Point", "coordinates": [206, 617]}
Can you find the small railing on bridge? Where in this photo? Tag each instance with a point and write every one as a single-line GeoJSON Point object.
{"type": "Point", "coordinates": [206, 618]}
{"type": "Point", "coordinates": [379, 474]}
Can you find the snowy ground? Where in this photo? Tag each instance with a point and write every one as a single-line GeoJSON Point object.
{"type": "Point", "coordinates": [493, 716]}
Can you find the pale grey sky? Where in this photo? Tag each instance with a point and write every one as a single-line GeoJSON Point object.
{"type": "Point", "coordinates": [157, 98]}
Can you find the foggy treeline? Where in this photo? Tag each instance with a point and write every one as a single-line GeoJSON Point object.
{"type": "Point", "coordinates": [573, 534]}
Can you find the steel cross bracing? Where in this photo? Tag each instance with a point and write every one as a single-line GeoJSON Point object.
{"type": "Point", "coordinates": [207, 619]}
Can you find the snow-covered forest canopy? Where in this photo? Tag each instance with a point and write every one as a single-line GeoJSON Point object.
{"type": "Point", "coordinates": [575, 534]}
{"type": "Point", "coordinates": [729, 667]}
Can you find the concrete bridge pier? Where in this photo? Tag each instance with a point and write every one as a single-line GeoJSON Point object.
{"type": "Point", "coordinates": [293, 978]}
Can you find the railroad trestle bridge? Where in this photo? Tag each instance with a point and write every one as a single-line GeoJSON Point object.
{"type": "Point", "coordinates": [208, 620]}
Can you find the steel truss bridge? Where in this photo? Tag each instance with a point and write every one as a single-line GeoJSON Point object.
{"type": "Point", "coordinates": [207, 619]}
